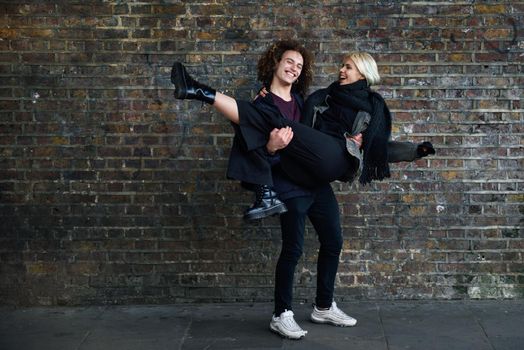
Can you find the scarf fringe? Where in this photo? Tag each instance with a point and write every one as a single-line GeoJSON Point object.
{"type": "Point", "coordinates": [370, 173]}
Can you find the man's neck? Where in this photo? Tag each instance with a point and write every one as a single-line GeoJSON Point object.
{"type": "Point", "coordinates": [282, 91]}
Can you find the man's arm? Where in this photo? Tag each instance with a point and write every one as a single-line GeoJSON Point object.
{"type": "Point", "coordinates": [279, 139]}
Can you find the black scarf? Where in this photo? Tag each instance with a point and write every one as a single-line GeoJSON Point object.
{"type": "Point", "coordinates": [375, 138]}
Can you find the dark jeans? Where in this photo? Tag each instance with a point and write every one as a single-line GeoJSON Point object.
{"type": "Point", "coordinates": [322, 210]}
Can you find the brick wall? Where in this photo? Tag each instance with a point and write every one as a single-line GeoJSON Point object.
{"type": "Point", "coordinates": [113, 192]}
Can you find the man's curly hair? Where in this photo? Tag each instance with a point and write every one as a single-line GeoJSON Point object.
{"type": "Point", "coordinates": [269, 60]}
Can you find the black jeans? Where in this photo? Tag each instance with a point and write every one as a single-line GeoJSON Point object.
{"type": "Point", "coordinates": [322, 210]}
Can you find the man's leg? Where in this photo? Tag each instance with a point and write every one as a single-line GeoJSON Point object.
{"type": "Point", "coordinates": [292, 224]}
{"type": "Point", "coordinates": [325, 216]}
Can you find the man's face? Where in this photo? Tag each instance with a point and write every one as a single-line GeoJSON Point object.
{"type": "Point", "coordinates": [349, 73]}
{"type": "Point", "coordinates": [288, 69]}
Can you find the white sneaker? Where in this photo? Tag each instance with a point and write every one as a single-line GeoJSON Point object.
{"type": "Point", "coordinates": [286, 326]}
{"type": "Point", "coordinates": [333, 315]}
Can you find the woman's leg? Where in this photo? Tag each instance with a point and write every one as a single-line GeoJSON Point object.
{"type": "Point", "coordinates": [188, 88]}
{"type": "Point", "coordinates": [310, 159]}
{"type": "Point", "coordinates": [227, 106]}
{"type": "Point", "coordinates": [313, 158]}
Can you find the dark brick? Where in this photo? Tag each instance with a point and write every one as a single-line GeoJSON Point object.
{"type": "Point", "coordinates": [109, 183]}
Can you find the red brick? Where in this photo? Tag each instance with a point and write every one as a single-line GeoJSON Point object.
{"type": "Point", "coordinates": [106, 166]}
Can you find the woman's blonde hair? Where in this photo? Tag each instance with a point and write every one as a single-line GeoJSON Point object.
{"type": "Point", "coordinates": [366, 65]}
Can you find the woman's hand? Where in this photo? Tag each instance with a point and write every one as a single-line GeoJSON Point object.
{"type": "Point", "coordinates": [261, 93]}
{"type": "Point", "coordinates": [279, 139]}
{"type": "Point", "coordinates": [357, 139]}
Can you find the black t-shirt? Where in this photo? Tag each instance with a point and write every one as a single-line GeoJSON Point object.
{"type": "Point", "coordinates": [288, 108]}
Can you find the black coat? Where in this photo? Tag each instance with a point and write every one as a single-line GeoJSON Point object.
{"type": "Point", "coordinates": [249, 160]}
{"type": "Point", "coordinates": [282, 184]}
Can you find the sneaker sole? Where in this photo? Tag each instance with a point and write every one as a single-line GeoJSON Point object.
{"type": "Point", "coordinates": [319, 321]}
{"type": "Point", "coordinates": [279, 209]}
{"type": "Point", "coordinates": [277, 331]}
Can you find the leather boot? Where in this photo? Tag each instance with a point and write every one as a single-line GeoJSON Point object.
{"type": "Point", "coordinates": [188, 88]}
{"type": "Point", "coordinates": [425, 149]}
{"type": "Point", "coordinates": [266, 204]}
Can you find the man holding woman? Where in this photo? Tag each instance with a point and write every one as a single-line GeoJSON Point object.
{"type": "Point", "coordinates": [279, 156]}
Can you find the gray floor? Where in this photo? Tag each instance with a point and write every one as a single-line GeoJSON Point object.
{"type": "Point", "coordinates": [423, 325]}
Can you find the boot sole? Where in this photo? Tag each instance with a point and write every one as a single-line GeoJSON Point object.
{"type": "Point", "coordinates": [178, 78]}
{"type": "Point", "coordinates": [278, 209]}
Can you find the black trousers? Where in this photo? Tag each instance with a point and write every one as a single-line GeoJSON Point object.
{"type": "Point", "coordinates": [310, 159]}
{"type": "Point", "coordinates": [322, 210]}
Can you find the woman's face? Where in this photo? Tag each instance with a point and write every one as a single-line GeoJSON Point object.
{"type": "Point", "coordinates": [289, 67]}
{"type": "Point", "coordinates": [349, 73]}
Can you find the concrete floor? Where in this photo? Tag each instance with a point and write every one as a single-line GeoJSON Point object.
{"type": "Point", "coordinates": [449, 325]}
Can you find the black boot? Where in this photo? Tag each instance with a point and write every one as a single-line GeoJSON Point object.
{"type": "Point", "coordinates": [425, 149]}
{"type": "Point", "coordinates": [188, 88]}
{"type": "Point", "coordinates": [266, 204]}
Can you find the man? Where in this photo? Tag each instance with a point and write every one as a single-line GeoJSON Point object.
{"type": "Point", "coordinates": [286, 68]}
{"type": "Point", "coordinates": [318, 204]}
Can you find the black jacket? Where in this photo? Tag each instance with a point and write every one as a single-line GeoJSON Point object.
{"type": "Point", "coordinates": [282, 184]}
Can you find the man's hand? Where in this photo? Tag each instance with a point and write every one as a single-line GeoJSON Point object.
{"type": "Point", "coordinates": [279, 139]}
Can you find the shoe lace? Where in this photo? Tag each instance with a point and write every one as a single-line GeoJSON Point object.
{"type": "Point", "coordinates": [289, 322]}
{"type": "Point", "coordinates": [259, 194]}
{"type": "Point", "coordinates": [337, 311]}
